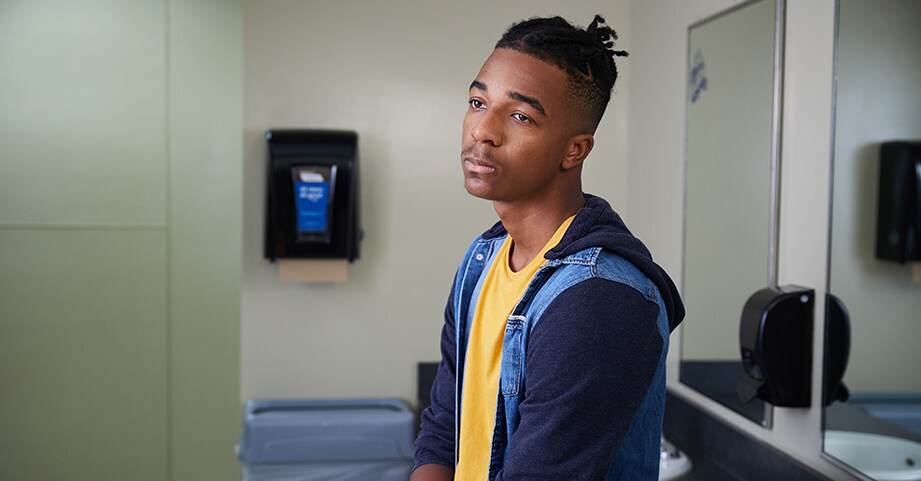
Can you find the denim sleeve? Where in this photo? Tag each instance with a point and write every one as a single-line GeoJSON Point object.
{"type": "Point", "coordinates": [590, 361]}
{"type": "Point", "coordinates": [435, 443]}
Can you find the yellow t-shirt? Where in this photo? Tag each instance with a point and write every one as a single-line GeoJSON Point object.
{"type": "Point", "coordinates": [501, 291]}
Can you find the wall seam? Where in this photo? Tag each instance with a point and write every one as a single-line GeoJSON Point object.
{"type": "Point", "coordinates": [167, 140]}
{"type": "Point", "coordinates": [78, 226]}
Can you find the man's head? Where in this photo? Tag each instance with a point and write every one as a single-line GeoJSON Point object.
{"type": "Point", "coordinates": [587, 57]}
{"type": "Point", "coordinates": [533, 110]}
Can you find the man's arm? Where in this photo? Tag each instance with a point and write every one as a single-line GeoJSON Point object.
{"type": "Point", "coordinates": [434, 460]}
{"type": "Point", "coordinates": [590, 361]}
{"type": "Point", "coordinates": [432, 472]}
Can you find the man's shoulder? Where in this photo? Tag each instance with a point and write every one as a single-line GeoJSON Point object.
{"type": "Point", "coordinates": [606, 265]}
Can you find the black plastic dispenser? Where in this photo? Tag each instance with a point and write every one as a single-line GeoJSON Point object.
{"type": "Point", "coordinates": [776, 342]}
{"type": "Point", "coordinates": [312, 205]}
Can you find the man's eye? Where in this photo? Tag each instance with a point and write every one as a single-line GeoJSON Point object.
{"type": "Point", "coordinates": [476, 103]}
{"type": "Point", "coordinates": [521, 118]}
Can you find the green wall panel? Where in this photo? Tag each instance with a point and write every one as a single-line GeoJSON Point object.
{"type": "Point", "coordinates": [205, 119]}
{"type": "Point", "coordinates": [82, 123]}
{"type": "Point", "coordinates": [83, 355]}
{"type": "Point", "coordinates": [120, 239]}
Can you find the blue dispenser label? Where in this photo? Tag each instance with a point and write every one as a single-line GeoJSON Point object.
{"type": "Point", "coordinates": [311, 199]}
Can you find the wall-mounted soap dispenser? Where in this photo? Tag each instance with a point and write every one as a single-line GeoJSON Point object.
{"type": "Point", "coordinates": [898, 220]}
{"type": "Point", "coordinates": [837, 349]}
{"type": "Point", "coordinates": [312, 189]}
{"type": "Point", "coordinates": [776, 342]}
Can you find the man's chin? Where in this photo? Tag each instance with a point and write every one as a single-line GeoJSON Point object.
{"type": "Point", "coordinates": [473, 187]}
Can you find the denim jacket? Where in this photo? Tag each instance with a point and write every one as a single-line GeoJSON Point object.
{"type": "Point", "coordinates": [636, 455]}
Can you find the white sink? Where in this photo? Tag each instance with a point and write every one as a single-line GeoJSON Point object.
{"type": "Point", "coordinates": [672, 462]}
{"type": "Point", "coordinates": [883, 458]}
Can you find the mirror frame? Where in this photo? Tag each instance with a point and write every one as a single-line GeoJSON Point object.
{"type": "Point", "coordinates": [775, 169]}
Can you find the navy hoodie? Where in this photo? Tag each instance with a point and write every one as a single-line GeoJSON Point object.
{"type": "Point", "coordinates": [601, 369]}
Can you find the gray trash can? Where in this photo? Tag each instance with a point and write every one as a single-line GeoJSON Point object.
{"type": "Point", "coordinates": [320, 440]}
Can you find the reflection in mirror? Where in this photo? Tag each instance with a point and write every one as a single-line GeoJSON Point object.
{"type": "Point", "coordinates": [731, 152]}
{"type": "Point", "coordinates": [877, 100]}
{"type": "Point", "coordinates": [732, 130]}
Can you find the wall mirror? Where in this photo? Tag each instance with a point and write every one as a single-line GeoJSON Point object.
{"type": "Point", "coordinates": [733, 117]}
{"type": "Point", "coordinates": [877, 100]}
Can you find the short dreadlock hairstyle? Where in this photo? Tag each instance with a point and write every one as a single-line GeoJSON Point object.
{"type": "Point", "coordinates": [587, 57]}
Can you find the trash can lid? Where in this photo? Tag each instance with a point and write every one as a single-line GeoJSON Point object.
{"type": "Point", "coordinates": [301, 431]}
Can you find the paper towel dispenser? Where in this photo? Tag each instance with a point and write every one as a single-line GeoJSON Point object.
{"type": "Point", "coordinates": [312, 189]}
{"type": "Point", "coordinates": [775, 334]}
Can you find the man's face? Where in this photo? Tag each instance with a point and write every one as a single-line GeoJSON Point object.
{"type": "Point", "coordinates": [517, 128]}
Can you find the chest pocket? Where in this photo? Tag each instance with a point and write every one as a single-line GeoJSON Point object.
{"type": "Point", "coordinates": [512, 356]}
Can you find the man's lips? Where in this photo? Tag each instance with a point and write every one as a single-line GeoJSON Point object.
{"type": "Point", "coordinates": [477, 166]}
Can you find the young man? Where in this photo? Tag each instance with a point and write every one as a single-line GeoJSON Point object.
{"type": "Point", "coordinates": [556, 329]}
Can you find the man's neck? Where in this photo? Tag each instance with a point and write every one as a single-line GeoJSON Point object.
{"type": "Point", "coordinates": [532, 224]}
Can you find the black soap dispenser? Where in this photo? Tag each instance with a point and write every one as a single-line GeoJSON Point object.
{"type": "Point", "coordinates": [837, 349]}
{"type": "Point", "coordinates": [898, 219]}
{"type": "Point", "coordinates": [776, 343]}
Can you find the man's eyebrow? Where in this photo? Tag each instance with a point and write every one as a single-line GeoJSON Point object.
{"type": "Point", "coordinates": [533, 102]}
{"type": "Point", "coordinates": [476, 84]}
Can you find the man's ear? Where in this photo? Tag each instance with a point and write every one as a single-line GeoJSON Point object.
{"type": "Point", "coordinates": [580, 146]}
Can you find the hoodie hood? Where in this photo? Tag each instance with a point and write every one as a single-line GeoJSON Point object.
{"type": "Point", "coordinates": [597, 225]}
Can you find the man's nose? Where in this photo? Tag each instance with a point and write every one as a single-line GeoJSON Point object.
{"type": "Point", "coordinates": [487, 128]}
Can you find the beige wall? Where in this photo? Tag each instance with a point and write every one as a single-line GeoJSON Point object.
{"type": "Point", "coordinates": [397, 73]}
